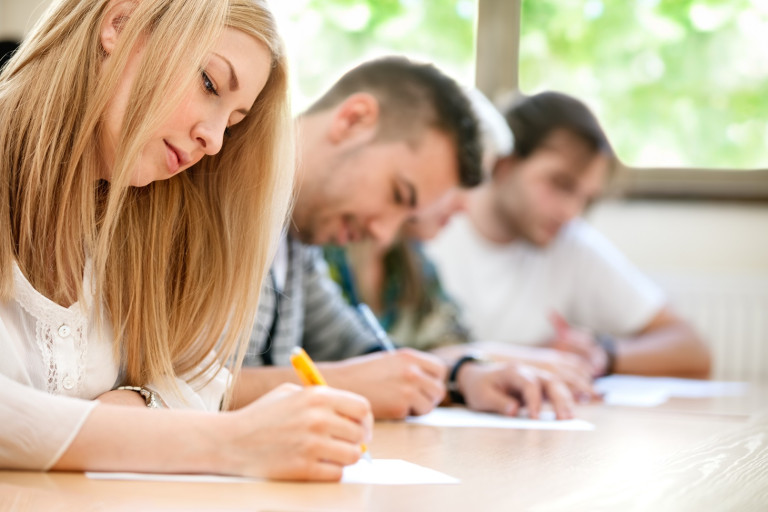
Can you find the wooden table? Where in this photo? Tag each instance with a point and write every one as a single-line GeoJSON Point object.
{"type": "Point", "coordinates": [704, 454]}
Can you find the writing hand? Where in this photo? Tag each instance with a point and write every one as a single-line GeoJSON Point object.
{"type": "Point", "coordinates": [397, 384]}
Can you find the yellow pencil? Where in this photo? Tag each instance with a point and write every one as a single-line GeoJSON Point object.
{"type": "Point", "coordinates": [310, 376]}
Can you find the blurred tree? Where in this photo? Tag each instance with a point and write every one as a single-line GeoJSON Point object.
{"type": "Point", "coordinates": [327, 37]}
{"type": "Point", "coordinates": [675, 82]}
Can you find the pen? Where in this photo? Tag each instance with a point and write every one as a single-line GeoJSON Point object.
{"type": "Point", "coordinates": [309, 375]}
{"type": "Point", "coordinates": [375, 326]}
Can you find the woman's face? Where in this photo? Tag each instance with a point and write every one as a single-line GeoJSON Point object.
{"type": "Point", "coordinates": [229, 83]}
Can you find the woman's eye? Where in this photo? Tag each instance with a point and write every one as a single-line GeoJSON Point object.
{"type": "Point", "coordinates": [208, 84]}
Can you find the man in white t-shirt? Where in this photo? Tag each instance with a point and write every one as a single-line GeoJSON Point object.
{"type": "Point", "coordinates": [526, 271]}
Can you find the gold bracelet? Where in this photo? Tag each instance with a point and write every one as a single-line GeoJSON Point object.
{"type": "Point", "coordinates": [151, 398]}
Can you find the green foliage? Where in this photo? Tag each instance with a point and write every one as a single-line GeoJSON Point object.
{"type": "Point", "coordinates": [674, 82]}
{"type": "Point", "coordinates": [327, 37]}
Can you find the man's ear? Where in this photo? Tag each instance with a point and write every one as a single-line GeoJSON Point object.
{"type": "Point", "coordinates": [118, 12]}
{"type": "Point", "coordinates": [504, 167]}
{"type": "Point", "coordinates": [357, 117]}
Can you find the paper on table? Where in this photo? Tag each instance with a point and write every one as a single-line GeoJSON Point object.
{"type": "Point", "coordinates": [168, 477]}
{"type": "Point", "coordinates": [636, 398]}
{"type": "Point", "coordinates": [650, 391]}
{"type": "Point", "coordinates": [393, 472]}
{"type": "Point", "coordinates": [380, 471]}
{"type": "Point", "coordinates": [461, 417]}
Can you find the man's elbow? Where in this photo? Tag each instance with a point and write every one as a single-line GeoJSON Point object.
{"type": "Point", "coordinates": [700, 356]}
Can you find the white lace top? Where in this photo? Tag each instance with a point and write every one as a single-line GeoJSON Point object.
{"type": "Point", "coordinates": [53, 362]}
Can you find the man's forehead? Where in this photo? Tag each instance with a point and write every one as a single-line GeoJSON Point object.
{"type": "Point", "coordinates": [435, 168]}
{"type": "Point", "coordinates": [595, 173]}
{"type": "Point", "coordinates": [568, 145]}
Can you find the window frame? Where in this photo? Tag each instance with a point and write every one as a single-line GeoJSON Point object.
{"type": "Point", "coordinates": [498, 41]}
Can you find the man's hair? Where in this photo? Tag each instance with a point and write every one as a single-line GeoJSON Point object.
{"type": "Point", "coordinates": [413, 96]}
{"type": "Point", "coordinates": [533, 119]}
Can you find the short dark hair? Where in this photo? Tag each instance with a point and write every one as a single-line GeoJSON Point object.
{"type": "Point", "coordinates": [413, 96]}
{"type": "Point", "coordinates": [533, 118]}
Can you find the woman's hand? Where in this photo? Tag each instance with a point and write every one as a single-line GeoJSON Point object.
{"type": "Point", "coordinates": [295, 433]}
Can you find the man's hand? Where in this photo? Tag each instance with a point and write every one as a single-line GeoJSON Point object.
{"type": "Point", "coordinates": [397, 384]}
{"type": "Point", "coordinates": [505, 387]}
{"type": "Point", "coordinates": [579, 342]}
{"type": "Point", "coordinates": [572, 369]}
{"type": "Point", "coordinates": [583, 345]}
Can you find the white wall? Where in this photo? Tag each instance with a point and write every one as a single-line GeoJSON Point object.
{"type": "Point", "coordinates": [713, 238]}
{"type": "Point", "coordinates": [18, 16]}
{"type": "Point", "coordinates": [712, 258]}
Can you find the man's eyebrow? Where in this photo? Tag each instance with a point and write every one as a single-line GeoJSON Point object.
{"type": "Point", "coordinates": [233, 83]}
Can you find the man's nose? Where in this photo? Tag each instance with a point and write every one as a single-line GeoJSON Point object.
{"type": "Point", "coordinates": [384, 229]}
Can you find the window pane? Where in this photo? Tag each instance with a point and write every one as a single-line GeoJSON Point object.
{"type": "Point", "coordinates": [327, 37]}
{"type": "Point", "coordinates": [679, 83]}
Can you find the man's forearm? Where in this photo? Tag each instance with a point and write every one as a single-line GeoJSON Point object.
{"type": "Point", "coordinates": [673, 350]}
{"type": "Point", "coordinates": [254, 382]}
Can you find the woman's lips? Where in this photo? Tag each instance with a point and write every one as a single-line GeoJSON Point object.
{"type": "Point", "coordinates": [175, 158]}
{"type": "Point", "coordinates": [171, 159]}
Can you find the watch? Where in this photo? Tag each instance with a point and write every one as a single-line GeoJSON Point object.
{"type": "Point", "coordinates": [453, 386]}
{"type": "Point", "coordinates": [608, 344]}
{"type": "Point", "coordinates": [151, 399]}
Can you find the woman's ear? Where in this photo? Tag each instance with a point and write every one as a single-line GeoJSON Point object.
{"type": "Point", "coordinates": [118, 12]}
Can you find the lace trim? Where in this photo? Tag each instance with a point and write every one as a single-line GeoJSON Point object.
{"type": "Point", "coordinates": [83, 355]}
{"type": "Point", "coordinates": [49, 316]}
{"type": "Point", "coordinates": [44, 338]}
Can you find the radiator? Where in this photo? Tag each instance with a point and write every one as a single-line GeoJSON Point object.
{"type": "Point", "coordinates": [731, 314]}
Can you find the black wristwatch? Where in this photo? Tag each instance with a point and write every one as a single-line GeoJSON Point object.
{"type": "Point", "coordinates": [453, 387]}
{"type": "Point", "coordinates": [608, 345]}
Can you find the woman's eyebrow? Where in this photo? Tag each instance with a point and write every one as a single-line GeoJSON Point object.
{"type": "Point", "coordinates": [233, 83]}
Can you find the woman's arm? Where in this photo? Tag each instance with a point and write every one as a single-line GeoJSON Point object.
{"type": "Point", "coordinates": [291, 433]}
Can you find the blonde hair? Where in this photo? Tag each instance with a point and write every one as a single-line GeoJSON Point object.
{"type": "Point", "coordinates": [177, 263]}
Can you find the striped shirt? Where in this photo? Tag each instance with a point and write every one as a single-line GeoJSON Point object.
{"type": "Point", "coordinates": [307, 311]}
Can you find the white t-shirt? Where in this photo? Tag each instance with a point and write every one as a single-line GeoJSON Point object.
{"type": "Point", "coordinates": [507, 291]}
{"type": "Point", "coordinates": [53, 362]}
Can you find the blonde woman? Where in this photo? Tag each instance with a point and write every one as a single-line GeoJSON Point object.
{"type": "Point", "coordinates": [144, 179]}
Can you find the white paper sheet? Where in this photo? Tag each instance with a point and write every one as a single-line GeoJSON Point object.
{"type": "Point", "coordinates": [636, 398]}
{"type": "Point", "coordinates": [637, 391]}
{"type": "Point", "coordinates": [379, 471]}
{"type": "Point", "coordinates": [461, 417]}
{"type": "Point", "coordinates": [168, 477]}
{"type": "Point", "coordinates": [393, 472]}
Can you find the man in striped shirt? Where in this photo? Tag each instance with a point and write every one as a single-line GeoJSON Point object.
{"type": "Point", "coordinates": [390, 138]}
